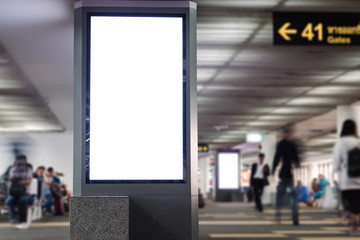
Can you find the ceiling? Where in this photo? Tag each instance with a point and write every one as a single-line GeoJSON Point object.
{"type": "Point", "coordinates": [245, 83]}
{"type": "Point", "coordinates": [22, 108]}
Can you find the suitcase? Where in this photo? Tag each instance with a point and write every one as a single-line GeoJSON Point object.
{"type": "Point", "coordinates": [250, 195]}
{"type": "Point", "coordinates": [3, 193]}
{"type": "Point", "coordinates": [201, 201]}
{"type": "Point", "coordinates": [59, 207]}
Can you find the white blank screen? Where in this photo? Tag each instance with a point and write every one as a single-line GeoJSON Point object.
{"type": "Point", "coordinates": [228, 165]}
{"type": "Point", "coordinates": [136, 98]}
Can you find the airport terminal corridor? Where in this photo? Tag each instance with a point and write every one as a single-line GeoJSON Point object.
{"type": "Point", "coordinates": [217, 220]}
{"type": "Point", "coordinates": [134, 109]}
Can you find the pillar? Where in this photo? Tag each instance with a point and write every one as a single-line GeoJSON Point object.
{"type": "Point", "coordinates": [140, 176]}
{"type": "Point", "coordinates": [268, 147]}
{"type": "Point", "coordinates": [204, 175]}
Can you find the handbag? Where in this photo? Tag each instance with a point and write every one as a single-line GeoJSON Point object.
{"type": "Point", "coordinates": [265, 181]}
{"type": "Point", "coordinates": [354, 162]}
{"type": "Point", "coordinates": [55, 191]}
{"type": "Point", "coordinates": [17, 190]}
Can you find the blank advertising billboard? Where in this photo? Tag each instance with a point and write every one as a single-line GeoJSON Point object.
{"type": "Point", "coordinates": [228, 170]}
{"type": "Point", "coordinates": [136, 98]}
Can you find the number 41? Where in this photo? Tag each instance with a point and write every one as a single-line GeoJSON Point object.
{"type": "Point", "coordinates": [308, 31]}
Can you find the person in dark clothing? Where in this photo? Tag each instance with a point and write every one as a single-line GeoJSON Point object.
{"type": "Point", "coordinates": [20, 176]}
{"type": "Point", "coordinates": [287, 152]}
{"type": "Point", "coordinates": [259, 173]}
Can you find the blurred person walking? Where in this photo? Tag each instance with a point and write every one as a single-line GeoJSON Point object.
{"type": "Point", "coordinates": [20, 176]}
{"type": "Point", "coordinates": [346, 156]}
{"type": "Point", "coordinates": [287, 152]}
{"type": "Point", "coordinates": [259, 173]}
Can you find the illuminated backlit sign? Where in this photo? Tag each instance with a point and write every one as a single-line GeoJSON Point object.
{"type": "Point", "coordinates": [311, 28]}
{"type": "Point", "coordinates": [228, 170]}
{"type": "Point", "coordinates": [136, 94]}
{"type": "Point", "coordinates": [253, 137]}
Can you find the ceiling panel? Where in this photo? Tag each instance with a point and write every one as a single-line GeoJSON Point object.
{"type": "Point", "coordinates": [314, 101]}
{"type": "Point", "coordinates": [245, 83]}
{"type": "Point", "coordinates": [241, 72]}
{"type": "Point", "coordinates": [239, 3]}
{"type": "Point", "coordinates": [322, 3]}
{"type": "Point", "coordinates": [22, 109]}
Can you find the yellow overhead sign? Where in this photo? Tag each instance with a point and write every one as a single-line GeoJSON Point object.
{"type": "Point", "coordinates": [202, 147]}
{"type": "Point", "coordinates": [284, 31]}
{"type": "Point", "coordinates": [294, 28]}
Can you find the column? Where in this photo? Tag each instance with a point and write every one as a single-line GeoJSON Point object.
{"type": "Point", "coordinates": [268, 144]}
{"type": "Point", "coordinates": [133, 178]}
{"type": "Point", "coordinates": [204, 172]}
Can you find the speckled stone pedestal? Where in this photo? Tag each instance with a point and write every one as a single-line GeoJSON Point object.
{"type": "Point", "coordinates": [99, 218]}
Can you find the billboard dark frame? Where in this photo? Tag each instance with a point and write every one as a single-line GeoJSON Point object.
{"type": "Point", "coordinates": [88, 86]}
{"type": "Point", "coordinates": [82, 185]}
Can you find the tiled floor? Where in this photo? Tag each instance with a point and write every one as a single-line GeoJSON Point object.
{"type": "Point", "coordinates": [241, 221]}
{"type": "Point", "coordinates": [49, 227]}
{"type": "Point", "coordinates": [217, 221]}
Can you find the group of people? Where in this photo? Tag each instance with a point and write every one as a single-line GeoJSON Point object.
{"type": "Point", "coordinates": [48, 190]}
{"type": "Point", "coordinates": [318, 188]}
{"type": "Point", "coordinates": [346, 164]}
